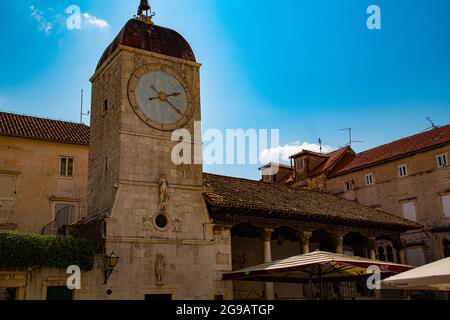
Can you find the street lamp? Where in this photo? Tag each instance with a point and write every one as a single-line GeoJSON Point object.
{"type": "Point", "coordinates": [111, 262]}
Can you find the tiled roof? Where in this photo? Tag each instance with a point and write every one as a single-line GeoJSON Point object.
{"type": "Point", "coordinates": [333, 159]}
{"type": "Point", "coordinates": [396, 149]}
{"type": "Point", "coordinates": [236, 193]}
{"type": "Point", "coordinates": [43, 129]}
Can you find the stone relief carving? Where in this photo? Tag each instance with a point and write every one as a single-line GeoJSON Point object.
{"type": "Point", "coordinates": [177, 224]}
{"type": "Point", "coordinates": [160, 266]}
{"type": "Point", "coordinates": [163, 193]}
{"type": "Point", "coordinates": [147, 223]}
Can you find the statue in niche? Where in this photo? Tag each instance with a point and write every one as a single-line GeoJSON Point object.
{"type": "Point", "coordinates": [163, 193]}
{"type": "Point", "coordinates": [160, 266]}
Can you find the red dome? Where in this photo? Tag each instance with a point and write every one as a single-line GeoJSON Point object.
{"type": "Point", "coordinates": [140, 35]}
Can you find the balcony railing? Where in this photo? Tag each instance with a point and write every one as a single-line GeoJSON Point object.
{"type": "Point", "coordinates": [64, 216]}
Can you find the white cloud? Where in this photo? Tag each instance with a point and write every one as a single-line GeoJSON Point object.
{"type": "Point", "coordinates": [44, 25]}
{"type": "Point", "coordinates": [282, 153]}
{"type": "Point", "coordinates": [91, 21]}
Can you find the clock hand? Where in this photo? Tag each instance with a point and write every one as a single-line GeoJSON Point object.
{"type": "Point", "coordinates": [176, 109]}
{"type": "Point", "coordinates": [175, 94]}
{"type": "Point", "coordinates": [155, 89]}
{"type": "Point", "coordinates": [153, 98]}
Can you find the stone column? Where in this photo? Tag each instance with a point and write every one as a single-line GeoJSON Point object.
{"type": "Point", "coordinates": [305, 236]}
{"type": "Point", "coordinates": [340, 243]}
{"type": "Point", "coordinates": [399, 245]}
{"type": "Point", "coordinates": [267, 251]}
{"type": "Point", "coordinates": [371, 246]}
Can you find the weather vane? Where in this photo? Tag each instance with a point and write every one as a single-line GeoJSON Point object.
{"type": "Point", "coordinates": [145, 11]}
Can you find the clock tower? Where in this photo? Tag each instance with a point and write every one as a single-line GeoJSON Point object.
{"type": "Point", "coordinates": [145, 87]}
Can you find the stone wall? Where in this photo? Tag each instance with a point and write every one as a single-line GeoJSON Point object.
{"type": "Point", "coordinates": [33, 166]}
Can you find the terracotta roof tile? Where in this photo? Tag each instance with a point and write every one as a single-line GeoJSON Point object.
{"type": "Point", "coordinates": [43, 129]}
{"type": "Point", "coordinates": [236, 193]}
{"type": "Point", "coordinates": [396, 149]}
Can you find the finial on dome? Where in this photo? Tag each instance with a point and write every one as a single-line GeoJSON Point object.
{"type": "Point", "coordinates": [145, 12]}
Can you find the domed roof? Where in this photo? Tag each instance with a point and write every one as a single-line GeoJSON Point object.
{"type": "Point", "coordinates": [141, 35]}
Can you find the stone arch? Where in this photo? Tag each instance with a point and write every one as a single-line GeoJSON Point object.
{"type": "Point", "coordinates": [385, 248]}
{"type": "Point", "coordinates": [285, 233]}
{"type": "Point", "coordinates": [322, 240]}
{"type": "Point", "coordinates": [246, 252]}
{"type": "Point", "coordinates": [244, 230]}
{"type": "Point", "coordinates": [357, 244]}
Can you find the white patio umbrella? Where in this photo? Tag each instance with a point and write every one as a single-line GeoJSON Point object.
{"type": "Point", "coordinates": [434, 276]}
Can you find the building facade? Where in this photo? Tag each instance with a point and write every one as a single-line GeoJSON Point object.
{"type": "Point", "coordinates": [408, 177]}
{"type": "Point", "coordinates": [43, 173]}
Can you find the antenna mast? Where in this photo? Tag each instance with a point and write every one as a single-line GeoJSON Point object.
{"type": "Point", "coordinates": [350, 139]}
{"type": "Point", "coordinates": [81, 112]}
{"type": "Point", "coordinates": [433, 126]}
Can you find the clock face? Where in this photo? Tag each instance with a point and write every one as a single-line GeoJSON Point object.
{"type": "Point", "coordinates": [160, 98]}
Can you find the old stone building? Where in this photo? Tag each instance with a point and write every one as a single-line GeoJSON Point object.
{"type": "Point", "coordinates": [43, 173]}
{"type": "Point", "coordinates": [409, 177]}
{"type": "Point", "coordinates": [172, 229]}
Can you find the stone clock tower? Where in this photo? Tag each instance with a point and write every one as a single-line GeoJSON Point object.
{"type": "Point", "coordinates": [147, 85]}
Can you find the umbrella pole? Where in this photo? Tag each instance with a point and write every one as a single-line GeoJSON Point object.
{"type": "Point", "coordinates": [310, 285]}
{"type": "Point", "coordinates": [321, 283]}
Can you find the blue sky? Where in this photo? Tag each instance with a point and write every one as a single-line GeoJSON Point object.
{"type": "Point", "coordinates": [307, 67]}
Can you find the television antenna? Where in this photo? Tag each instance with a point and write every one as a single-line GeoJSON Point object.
{"type": "Point", "coordinates": [350, 139]}
{"type": "Point", "coordinates": [433, 126]}
{"type": "Point", "coordinates": [81, 112]}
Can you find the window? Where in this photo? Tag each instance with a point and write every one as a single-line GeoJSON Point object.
{"type": "Point", "coordinates": [446, 205]}
{"type": "Point", "coordinates": [369, 179]}
{"type": "Point", "coordinates": [105, 105]}
{"type": "Point", "coordinates": [300, 163]}
{"type": "Point", "coordinates": [64, 215]}
{"type": "Point", "coordinates": [402, 171]}
{"type": "Point", "coordinates": [348, 185]}
{"type": "Point", "coordinates": [409, 211]}
{"type": "Point", "coordinates": [66, 167]}
{"type": "Point", "coordinates": [7, 187]}
{"type": "Point", "coordinates": [442, 160]}
{"type": "Point", "coordinates": [415, 256]}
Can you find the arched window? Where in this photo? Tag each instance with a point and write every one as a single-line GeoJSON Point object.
{"type": "Point", "coordinates": [381, 255]}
